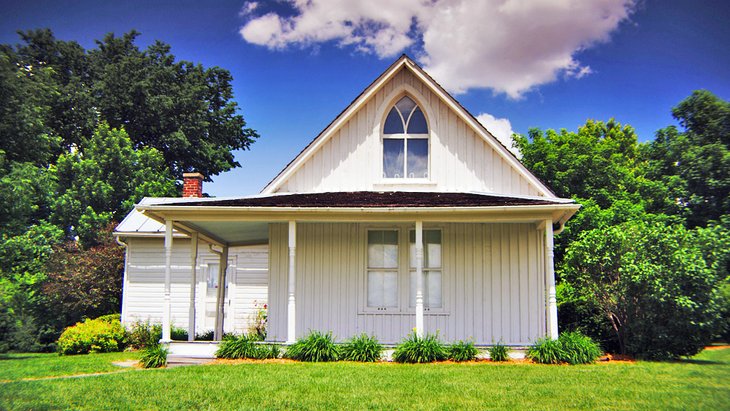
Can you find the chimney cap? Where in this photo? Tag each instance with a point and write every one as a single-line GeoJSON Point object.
{"type": "Point", "coordinates": [193, 175]}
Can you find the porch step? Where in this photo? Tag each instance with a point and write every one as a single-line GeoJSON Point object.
{"type": "Point", "coordinates": [174, 360]}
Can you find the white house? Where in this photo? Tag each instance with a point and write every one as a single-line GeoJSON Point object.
{"type": "Point", "coordinates": [403, 213]}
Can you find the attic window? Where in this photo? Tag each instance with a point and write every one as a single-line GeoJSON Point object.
{"type": "Point", "coordinates": [405, 141]}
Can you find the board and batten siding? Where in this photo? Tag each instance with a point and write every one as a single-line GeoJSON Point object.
{"type": "Point", "coordinates": [145, 276]}
{"type": "Point", "coordinates": [493, 284]}
{"type": "Point", "coordinates": [460, 160]}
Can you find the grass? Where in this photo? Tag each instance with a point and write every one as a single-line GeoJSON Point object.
{"type": "Point", "coordinates": [700, 383]}
{"type": "Point", "coordinates": [14, 367]}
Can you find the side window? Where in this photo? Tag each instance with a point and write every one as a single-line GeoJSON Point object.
{"type": "Point", "coordinates": [212, 278]}
{"type": "Point", "coordinates": [382, 270]}
{"type": "Point", "coordinates": [405, 141]}
{"type": "Point", "coordinates": [431, 268]}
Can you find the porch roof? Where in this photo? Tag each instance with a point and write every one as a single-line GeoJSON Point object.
{"type": "Point", "coordinates": [241, 221]}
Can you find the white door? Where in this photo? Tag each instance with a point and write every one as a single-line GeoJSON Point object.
{"type": "Point", "coordinates": [210, 287]}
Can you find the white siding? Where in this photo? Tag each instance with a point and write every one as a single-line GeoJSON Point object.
{"type": "Point", "coordinates": [492, 284]}
{"type": "Point", "coordinates": [460, 160]}
{"type": "Point", "coordinates": [144, 288]}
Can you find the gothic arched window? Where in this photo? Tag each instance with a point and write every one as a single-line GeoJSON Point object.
{"type": "Point", "coordinates": [405, 141]}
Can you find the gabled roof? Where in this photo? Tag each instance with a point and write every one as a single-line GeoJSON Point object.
{"type": "Point", "coordinates": [404, 62]}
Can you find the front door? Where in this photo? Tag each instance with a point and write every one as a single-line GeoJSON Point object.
{"type": "Point", "coordinates": [210, 286]}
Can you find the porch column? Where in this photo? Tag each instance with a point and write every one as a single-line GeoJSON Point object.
{"type": "Point", "coordinates": [419, 278]}
{"type": "Point", "coordinates": [291, 305]}
{"type": "Point", "coordinates": [220, 300]}
{"type": "Point", "coordinates": [552, 305]}
{"type": "Point", "coordinates": [193, 284]}
{"type": "Point", "coordinates": [168, 275]}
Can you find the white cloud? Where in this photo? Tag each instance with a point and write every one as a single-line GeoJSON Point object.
{"type": "Point", "coordinates": [509, 46]}
{"type": "Point", "coordinates": [500, 128]}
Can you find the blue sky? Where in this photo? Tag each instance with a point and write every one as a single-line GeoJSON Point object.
{"type": "Point", "coordinates": [545, 66]}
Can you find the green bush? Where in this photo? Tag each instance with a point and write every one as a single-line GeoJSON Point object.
{"type": "Point", "coordinates": [415, 349]}
{"type": "Point", "coordinates": [316, 347]}
{"type": "Point", "coordinates": [178, 334]}
{"type": "Point", "coordinates": [205, 336]}
{"type": "Point", "coordinates": [578, 349]}
{"type": "Point", "coordinates": [154, 356]}
{"type": "Point", "coordinates": [268, 351]}
{"type": "Point", "coordinates": [143, 334]}
{"type": "Point", "coordinates": [236, 347]}
{"type": "Point", "coordinates": [570, 347]}
{"type": "Point", "coordinates": [463, 351]}
{"type": "Point", "coordinates": [546, 351]}
{"type": "Point", "coordinates": [362, 348]}
{"type": "Point", "coordinates": [98, 335]}
{"type": "Point", "coordinates": [499, 352]}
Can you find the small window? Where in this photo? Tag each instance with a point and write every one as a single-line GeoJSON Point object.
{"type": "Point", "coordinates": [212, 278]}
{"type": "Point", "coordinates": [431, 269]}
{"type": "Point", "coordinates": [405, 141]}
{"type": "Point", "coordinates": [382, 269]}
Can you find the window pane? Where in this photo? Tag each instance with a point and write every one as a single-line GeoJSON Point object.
{"type": "Point", "coordinates": [432, 292]}
{"type": "Point", "coordinates": [405, 106]}
{"type": "Point", "coordinates": [393, 123]}
{"type": "Point", "coordinates": [212, 279]}
{"type": "Point", "coordinates": [417, 158]}
{"type": "Point", "coordinates": [417, 123]}
{"type": "Point", "coordinates": [382, 289]}
{"type": "Point", "coordinates": [393, 157]}
{"type": "Point", "coordinates": [432, 248]}
{"type": "Point", "coordinates": [383, 249]}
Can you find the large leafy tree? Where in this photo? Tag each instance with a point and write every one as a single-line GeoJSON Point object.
{"type": "Point", "coordinates": [695, 163]}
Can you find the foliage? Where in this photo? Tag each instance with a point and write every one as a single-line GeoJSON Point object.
{"type": "Point", "coordinates": [98, 335]}
{"type": "Point", "coordinates": [315, 347]}
{"type": "Point", "coordinates": [142, 334]}
{"type": "Point", "coordinates": [363, 347]}
{"type": "Point", "coordinates": [546, 351]}
{"type": "Point", "coordinates": [154, 356]}
{"type": "Point", "coordinates": [260, 320]}
{"type": "Point", "coordinates": [178, 333]}
{"type": "Point", "coordinates": [462, 351]}
{"type": "Point", "coordinates": [644, 278]}
{"type": "Point", "coordinates": [578, 348]}
{"type": "Point", "coordinates": [699, 383]}
{"type": "Point", "coordinates": [235, 347]}
{"type": "Point", "coordinates": [415, 349]}
{"type": "Point", "coordinates": [499, 352]}
{"type": "Point", "coordinates": [205, 336]}
{"type": "Point", "coordinates": [85, 283]}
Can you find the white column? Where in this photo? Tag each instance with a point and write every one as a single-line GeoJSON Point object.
{"type": "Point", "coordinates": [221, 294]}
{"type": "Point", "coordinates": [552, 305]}
{"type": "Point", "coordinates": [168, 275]}
{"type": "Point", "coordinates": [419, 278]}
{"type": "Point", "coordinates": [291, 317]}
{"type": "Point", "coordinates": [193, 284]}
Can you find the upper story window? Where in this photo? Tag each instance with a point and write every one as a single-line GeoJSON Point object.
{"type": "Point", "coordinates": [405, 141]}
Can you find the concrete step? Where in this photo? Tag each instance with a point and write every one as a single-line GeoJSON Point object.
{"type": "Point", "coordinates": [183, 360]}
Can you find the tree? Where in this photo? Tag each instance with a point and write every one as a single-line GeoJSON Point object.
{"type": "Point", "coordinates": [695, 164]}
{"type": "Point", "coordinates": [652, 283]}
{"type": "Point", "coordinates": [101, 182]}
{"type": "Point", "coordinates": [85, 283]}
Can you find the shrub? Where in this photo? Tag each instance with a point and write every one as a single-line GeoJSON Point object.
{"type": "Point", "coordinates": [415, 349]}
{"type": "Point", "coordinates": [268, 351]}
{"type": "Point", "coordinates": [499, 352]}
{"type": "Point", "coordinates": [463, 351]}
{"type": "Point", "coordinates": [362, 348]}
{"type": "Point", "coordinates": [205, 336]}
{"type": "Point", "coordinates": [546, 351]}
{"type": "Point", "coordinates": [578, 349]}
{"type": "Point", "coordinates": [570, 347]}
{"type": "Point", "coordinates": [178, 333]}
{"type": "Point", "coordinates": [98, 335]}
{"type": "Point", "coordinates": [236, 347]}
{"type": "Point", "coordinates": [143, 334]}
{"type": "Point", "coordinates": [316, 347]}
{"type": "Point", "coordinates": [154, 356]}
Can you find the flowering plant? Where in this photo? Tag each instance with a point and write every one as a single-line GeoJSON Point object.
{"type": "Point", "coordinates": [260, 319]}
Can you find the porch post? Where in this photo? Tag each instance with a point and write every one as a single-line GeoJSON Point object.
{"type": "Point", "coordinates": [168, 274]}
{"type": "Point", "coordinates": [291, 306]}
{"type": "Point", "coordinates": [221, 293]}
{"type": "Point", "coordinates": [419, 278]}
{"type": "Point", "coordinates": [552, 306]}
{"type": "Point", "coordinates": [193, 284]}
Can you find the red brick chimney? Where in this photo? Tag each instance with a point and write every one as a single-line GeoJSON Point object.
{"type": "Point", "coordinates": [192, 185]}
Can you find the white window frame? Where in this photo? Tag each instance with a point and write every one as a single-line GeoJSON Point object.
{"type": "Point", "coordinates": [405, 136]}
{"type": "Point", "coordinates": [403, 273]}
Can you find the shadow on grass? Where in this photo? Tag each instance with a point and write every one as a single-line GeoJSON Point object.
{"type": "Point", "coordinates": [5, 357]}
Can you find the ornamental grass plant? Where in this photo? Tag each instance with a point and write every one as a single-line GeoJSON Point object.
{"type": "Point", "coordinates": [315, 347]}
{"type": "Point", "coordinates": [499, 352]}
{"type": "Point", "coordinates": [363, 348]}
{"type": "Point", "coordinates": [154, 356]}
{"type": "Point", "coordinates": [463, 351]}
{"type": "Point", "coordinates": [415, 349]}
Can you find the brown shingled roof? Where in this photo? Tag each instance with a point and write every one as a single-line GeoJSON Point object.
{"type": "Point", "coordinates": [371, 199]}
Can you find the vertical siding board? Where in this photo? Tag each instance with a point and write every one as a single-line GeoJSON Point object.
{"type": "Point", "coordinates": [524, 284]}
{"type": "Point", "coordinates": [533, 296]}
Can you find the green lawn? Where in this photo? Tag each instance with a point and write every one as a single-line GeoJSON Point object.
{"type": "Point", "coordinates": [700, 383]}
{"type": "Point", "coordinates": [14, 367]}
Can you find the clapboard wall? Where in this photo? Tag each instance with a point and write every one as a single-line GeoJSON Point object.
{"type": "Point", "coordinates": [493, 284]}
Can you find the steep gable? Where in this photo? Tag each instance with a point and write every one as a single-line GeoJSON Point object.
{"type": "Point", "coordinates": [463, 155]}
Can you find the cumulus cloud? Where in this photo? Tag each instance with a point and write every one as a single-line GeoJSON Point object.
{"type": "Point", "coordinates": [508, 46]}
{"type": "Point", "coordinates": [500, 128]}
